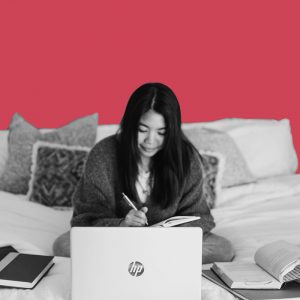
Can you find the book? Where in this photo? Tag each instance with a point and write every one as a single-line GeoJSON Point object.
{"type": "Point", "coordinates": [5, 250]}
{"type": "Point", "coordinates": [274, 264]}
{"type": "Point", "coordinates": [175, 221]}
{"type": "Point", "coordinates": [21, 270]}
{"type": "Point", "coordinates": [290, 290]}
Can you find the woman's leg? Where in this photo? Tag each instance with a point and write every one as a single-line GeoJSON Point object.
{"type": "Point", "coordinates": [61, 246]}
{"type": "Point", "coordinates": [216, 248]}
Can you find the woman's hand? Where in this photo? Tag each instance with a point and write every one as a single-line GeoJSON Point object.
{"type": "Point", "coordinates": [135, 218]}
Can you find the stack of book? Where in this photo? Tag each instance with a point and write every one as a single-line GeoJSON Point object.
{"type": "Point", "coordinates": [275, 273]}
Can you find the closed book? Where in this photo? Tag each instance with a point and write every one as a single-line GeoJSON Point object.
{"type": "Point", "coordinates": [21, 270]}
{"type": "Point", "coordinates": [5, 250]}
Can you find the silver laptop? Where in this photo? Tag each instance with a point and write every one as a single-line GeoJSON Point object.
{"type": "Point", "coordinates": [113, 263]}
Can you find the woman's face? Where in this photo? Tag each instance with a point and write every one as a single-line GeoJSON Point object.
{"type": "Point", "coordinates": [151, 134]}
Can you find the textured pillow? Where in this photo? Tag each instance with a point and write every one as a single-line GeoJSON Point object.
{"type": "Point", "coordinates": [22, 136]}
{"type": "Point", "coordinates": [236, 170]}
{"type": "Point", "coordinates": [56, 170]}
{"type": "Point", "coordinates": [3, 149]}
{"type": "Point", "coordinates": [213, 164]}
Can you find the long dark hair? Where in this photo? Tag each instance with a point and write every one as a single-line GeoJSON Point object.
{"type": "Point", "coordinates": [171, 164]}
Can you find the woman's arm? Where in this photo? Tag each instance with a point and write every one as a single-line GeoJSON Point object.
{"type": "Point", "coordinates": [92, 207]}
{"type": "Point", "coordinates": [94, 200]}
{"type": "Point", "coordinates": [193, 201]}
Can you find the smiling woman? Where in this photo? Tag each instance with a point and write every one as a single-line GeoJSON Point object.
{"type": "Point", "coordinates": [150, 135]}
{"type": "Point", "coordinates": [152, 162]}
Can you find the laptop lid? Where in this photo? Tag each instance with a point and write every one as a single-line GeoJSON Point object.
{"type": "Point", "coordinates": [113, 263]}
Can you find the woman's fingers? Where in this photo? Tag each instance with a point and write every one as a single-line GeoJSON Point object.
{"type": "Point", "coordinates": [144, 209]}
{"type": "Point", "coordinates": [137, 217]}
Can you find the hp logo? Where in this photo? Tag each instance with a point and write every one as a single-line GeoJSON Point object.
{"type": "Point", "coordinates": [136, 269]}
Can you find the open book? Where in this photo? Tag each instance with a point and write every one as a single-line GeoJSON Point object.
{"type": "Point", "coordinates": [290, 290]}
{"type": "Point", "coordinates": [175, 221]}
{"type": "Point", "coordinates": [275, 264]}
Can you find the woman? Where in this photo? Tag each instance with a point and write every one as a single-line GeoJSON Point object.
{"type": "Point", "coordinates": [152, 162]}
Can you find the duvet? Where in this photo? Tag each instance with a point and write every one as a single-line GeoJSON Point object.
{"type": "Point", "coordinates": [249, 215]}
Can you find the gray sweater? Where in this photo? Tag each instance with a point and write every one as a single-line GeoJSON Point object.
{"type": "Point", "coordinates": [98, 200]}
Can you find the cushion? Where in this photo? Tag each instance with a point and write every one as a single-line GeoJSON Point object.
{"type": "Point", "coordinates": [22, 136]}
{"type": "Point", "coordinates": [56, 170]}
{"type": "Point", "coordinates": [265, 144]}
{"type": "Point", "coordinates": [3, 149]}
{"type": "Point", "coordinates": [228, 123]}
{"type": "Point", "coordinates": [104, 131]}
{"type": "Point", "coordinates": [267, 148]}
{"type": "Point", "coordinates": [236, 171]}
{"type": "Point", "coordinates": [213, 164]}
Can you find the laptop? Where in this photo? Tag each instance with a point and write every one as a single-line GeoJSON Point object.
{"type": "Point", "coordinates": [113, 263]}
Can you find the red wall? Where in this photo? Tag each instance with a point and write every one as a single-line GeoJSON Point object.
{"type": "Point", "coordinates": [63, 59]}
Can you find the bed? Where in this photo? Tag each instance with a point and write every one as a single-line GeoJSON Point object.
{"type": "Point", "coordinates": [251, 207]}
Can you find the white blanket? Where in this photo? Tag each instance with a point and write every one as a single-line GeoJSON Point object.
{"type": "Point", "coordinates": [32, 228]}
{"type": "Point", "coordinates": [28, 226]}
{"type": "Point", "coordinates": [249, 216]}
{"type": "Point", "coordinates": [255, 214]}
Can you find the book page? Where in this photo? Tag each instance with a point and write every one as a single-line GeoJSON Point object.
{"type": "Point", "coordinates": [278, 258]}
{"type": "Point", "coordinates": [174, 221]}
{"type": "Point", "coordinates": [245, 275]}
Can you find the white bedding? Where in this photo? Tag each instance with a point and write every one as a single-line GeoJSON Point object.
{"type": "Point", "coordinates": [249, 215]}
{"type": "Point", "coordinates": [28, 226]}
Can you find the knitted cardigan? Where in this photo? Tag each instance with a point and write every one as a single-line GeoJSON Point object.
{"type": "Point", "coordinates": [98, 201]}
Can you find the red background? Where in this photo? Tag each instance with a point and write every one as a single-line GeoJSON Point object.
{"type": "Point", "coordinates": [60, 60]}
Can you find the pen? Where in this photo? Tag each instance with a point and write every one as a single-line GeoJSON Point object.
{"type": "Point", "coordinates": [130, 203]}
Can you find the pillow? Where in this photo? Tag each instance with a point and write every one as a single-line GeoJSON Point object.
{"type": "Point", "coordinates": [56, 170]}
{"type": "Point", "coordinates": [265, 144]}
{"type": "Point", "coordinates": [236, 171]}
{"type": "Point", "coordinates": [3, 149]}
{"type": "Point", "coordinates": [213, 164]}
{"type": "Point", "coordinates": [104, 131]}
{"type": "Point", "coordinates": [22, 136]}
{"type": "Point", "coordinates": [228, 123]}
{"type": "Point", "coordinates": [267, 148]}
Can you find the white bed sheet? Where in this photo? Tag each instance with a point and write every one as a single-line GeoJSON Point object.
{"type": "Point", "coordinates": [32, 228]}
{"type": "Point", "coordinates": [255, 214]}
{"type": "Point", "coordinates": [28, 226]}
{"type": "Point", "coordinates": [249, 216]}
